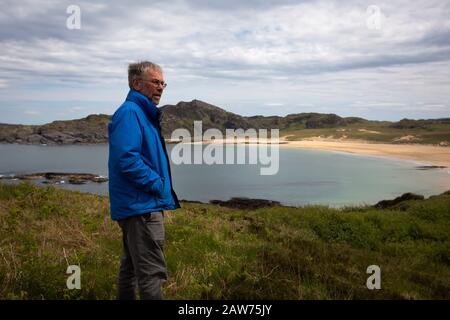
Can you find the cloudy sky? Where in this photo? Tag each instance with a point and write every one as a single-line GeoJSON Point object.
{"type": "Point", "coordinates": [376, 59]}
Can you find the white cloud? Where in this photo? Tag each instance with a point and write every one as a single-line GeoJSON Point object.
{"type": "Point", "coordinates": [305, 53]}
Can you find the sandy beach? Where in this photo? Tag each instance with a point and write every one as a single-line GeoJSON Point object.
{"type": "Point", "coordinates": [422, 153]}
{"type": "Point", "coordinates": [427, 154]}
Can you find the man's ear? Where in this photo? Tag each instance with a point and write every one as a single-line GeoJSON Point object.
{"type": "Point", "coordinates": [136, 84]}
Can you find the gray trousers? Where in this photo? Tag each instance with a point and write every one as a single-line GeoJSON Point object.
{"type": "Point", "coordinates": [143, 257]}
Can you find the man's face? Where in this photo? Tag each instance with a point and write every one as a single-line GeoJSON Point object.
{"type": "Point", "coordinates": [151, 85]}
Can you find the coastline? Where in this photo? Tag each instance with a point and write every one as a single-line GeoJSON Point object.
{"type": "Point", "coordinates": [427, 154]}
{"type": "Point", "coordinates": [420, 153]}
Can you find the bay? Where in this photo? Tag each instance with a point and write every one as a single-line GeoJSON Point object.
{"type": "Point", "coordinates": [304, 176]}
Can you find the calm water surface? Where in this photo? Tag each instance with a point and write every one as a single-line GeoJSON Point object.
{"type": "Point", "coordinates": [304, 176]}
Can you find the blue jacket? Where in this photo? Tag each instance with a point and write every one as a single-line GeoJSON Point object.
{"type": "Point", "coordinates": [139, 171]}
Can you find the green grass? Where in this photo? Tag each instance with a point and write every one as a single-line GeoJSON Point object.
{"type": "Point", "coordinates": [214, 252]}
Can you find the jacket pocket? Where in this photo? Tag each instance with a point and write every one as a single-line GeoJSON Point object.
{"type": "Point", "coordinates": [157, 187]}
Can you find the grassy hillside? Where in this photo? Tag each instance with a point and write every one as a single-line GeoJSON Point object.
{"type": "Point", "coordinates": [215, 252]}
{"type": "Point", "coordinates": [419, 131]}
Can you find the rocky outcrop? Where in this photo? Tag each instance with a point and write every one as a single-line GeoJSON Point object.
{"type": "Point", "coordinates": [59, 177]}
{"type": "Point", "coordinates": [388, 204]}
{"type": "Point", "coordinates": [430, 167]}
{"type": "Point", "coordinates": [246, 203]}
{"type": "Point", "coordinates": [89, 130]}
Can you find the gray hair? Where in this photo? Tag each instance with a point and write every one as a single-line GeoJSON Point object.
{"type": "Point", "coordinates": [136, 70]}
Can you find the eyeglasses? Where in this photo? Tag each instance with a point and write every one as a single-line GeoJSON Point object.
{"type": "Point", "coordinates": [156, 82]}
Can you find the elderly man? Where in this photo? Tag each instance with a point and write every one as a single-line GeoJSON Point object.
{"type": "Point", "coordinates": [140, 183]}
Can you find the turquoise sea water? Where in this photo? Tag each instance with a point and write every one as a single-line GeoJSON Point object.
{"type": "Point", "coordinates": [304, 176]}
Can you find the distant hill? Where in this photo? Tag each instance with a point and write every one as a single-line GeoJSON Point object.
{"type": "Point", "coordinates": [183, 115]}
{"type": "Point", "coordinates": [93, 128]}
